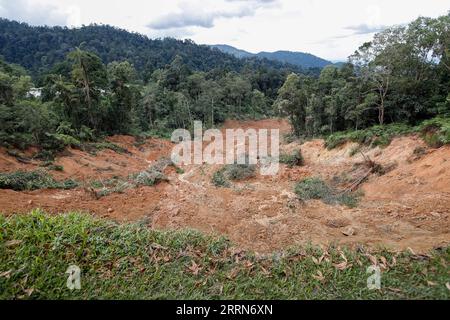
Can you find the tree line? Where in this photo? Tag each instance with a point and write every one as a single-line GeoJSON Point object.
{"type": "Point", "coordinates": [402, 75]}
{"type": "Point", "coordinates": [81, 99]}
{"type": "Point", "coordinates": [39, 48]}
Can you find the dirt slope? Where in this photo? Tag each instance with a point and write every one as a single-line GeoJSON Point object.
{"type": "Point", "coordinates": [407, 207]}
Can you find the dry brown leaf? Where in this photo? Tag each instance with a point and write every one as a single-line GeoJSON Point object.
{"type": "Point", "coordinates": [348, 232]}
{"type": "Point", "coordinates": [158, 246]}
{"type": "Point", "coordinates": [393, 262]}
{"type": "Point", "coordinates": [314, 259]}
{"type": "Point", "coordinates": [194, 268]}
{"type": "Point", "coordinates": [248, 264]}
{"type": "Point", "coordinates": [341, 266]}
{"type": "Point", "coordinates": [372, 259]}
{"type": "Point", "coordinates": [264, 271]}
{"type": "Point", "coordinates": [431, 283]}
{"type": "Point", "coordinates": [12, 243]}
{"type": "Point", "coordinates": [448, 285]}
{"type": "Point", "coordinates": [233, 274]}
{"type": "Point", "coordinates": [29, 292]}
{"type": "Point", "coordinates": [319, 276]}
{"type": "Point", "coordinates": [6, 274]}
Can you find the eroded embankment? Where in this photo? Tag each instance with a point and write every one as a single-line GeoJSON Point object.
{"type": "Point", "coordinates": [408, 206]}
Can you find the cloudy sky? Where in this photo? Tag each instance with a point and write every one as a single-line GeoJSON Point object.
{"type": "Point", "coordinates": [328, 28]}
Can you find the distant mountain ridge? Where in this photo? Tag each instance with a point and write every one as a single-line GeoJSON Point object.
{"type": "Point", "coordinates": [301, 59]}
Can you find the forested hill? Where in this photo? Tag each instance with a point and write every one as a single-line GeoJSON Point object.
{"type": "Point", "coordinates": [39, 48]}
{"type": "Point", "coordinates": [300, 59]}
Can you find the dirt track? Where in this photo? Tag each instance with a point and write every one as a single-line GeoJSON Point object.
{"type": "Point", "coordinates": [407, 207]}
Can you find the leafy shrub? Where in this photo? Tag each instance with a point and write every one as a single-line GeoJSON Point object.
{"type": "Point", "coordinates": [292, 160]}
{"type": "Point", "coordinates": [317, 189]}
{"type": "Point", "coordinates": [289, 138]}
{"type": "Point", "coordinates": [33, 180]}
{"type": "Point", "coordinates": [240, 171]}
{"type": "Point", "coordinates": [55, 167]}
{"type": "Point", "coordinates": [68, 184]}
{"type": "Point", "coordinates": [149, 178]}
{"type": "Point", "coordinates": [153, 174]}
{"type": "Point", "coordinates": [419, 151]}
{"type": "Point", "coordinates": [94, 147]}
{"type": "Point", "coordinates": [375, 136]}
{"type": "Point", "coordinates": [67, 140]}
{"type": "Point", "coordinates": [436, 131]}
{"type": "Point", "coordinates": [312, 188]}
{"type": "Point", "coordinates": [219, 179]}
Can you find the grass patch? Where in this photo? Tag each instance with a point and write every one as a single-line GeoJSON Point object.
{"type": "Point", "coordinates": [317, 189]}
{"type": "Point", "coordinates": [131, 261]}
{"type": "Point", "coordinates": [33, 180]}
{"type": "Point", "coordinates": [292, 160]}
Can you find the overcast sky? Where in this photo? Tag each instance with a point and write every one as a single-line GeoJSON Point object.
{"type": "Point", "coordinates": [328, 28]}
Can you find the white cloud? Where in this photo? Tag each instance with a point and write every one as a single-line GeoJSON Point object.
{"type": "Point", "coordinates": [33, 12]}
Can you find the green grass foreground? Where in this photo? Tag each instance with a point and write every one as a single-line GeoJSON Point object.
{"type": "Point", "coordinates": [130, 261]}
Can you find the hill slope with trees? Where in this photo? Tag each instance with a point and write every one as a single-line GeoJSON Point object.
{"type": "Point", "coordinates": [39, 48]}
{"type": "Point", "coordinates": [402, 75]}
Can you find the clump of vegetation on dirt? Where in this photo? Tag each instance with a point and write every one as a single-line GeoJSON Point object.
{"type": "Point", "coordinates": [436, 131]}
{"type": "Point", "coordinates": [240, 171]}
{"type": "Point", "coordinates": [94, 147]}
{"type": "Point", "coordinates": [293, 159]}
{"type": "Point", "coordinates": [317, 189]}
{"type": "Point", "coordinates": [219, 179]}
{"type": "Point", "coordinates": [153, 175]}
{"type": "Point", "coordinates": [33, 180]}
{"type": "Point", "coordinates": [373, 136]}
{"type": "Point", "coordinates": [103, 188]}
{"type": "Point", "coordinates": [234, 172]}
{"type": "Point", "coordinates": [131, 261]}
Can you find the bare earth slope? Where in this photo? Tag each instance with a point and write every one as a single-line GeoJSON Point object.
{"type": "Point", "coordinates": [407, 207]}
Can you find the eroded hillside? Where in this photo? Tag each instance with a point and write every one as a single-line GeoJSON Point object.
{"type": "Point", "coordinates": [407, 205]}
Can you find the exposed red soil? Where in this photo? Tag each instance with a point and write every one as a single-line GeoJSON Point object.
{"type": "Point", "coordinates": [407, 207]}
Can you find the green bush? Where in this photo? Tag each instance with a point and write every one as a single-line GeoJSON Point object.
{"type": "Point", "coordinates": [292, 160]}
{"type": "Point", "coordinates": [33, 180]}
{"type": "Point", "coordinates": [219, 179]}
{"type": "Point", "coordinates": [436, 131]}
{"type": "Point", "coordinates": [94, 147]}
{"type": "Point", "coordinates": [317, 189]}
{"type": "Point", "coordinates": [312, 188]}
{"type": "Point", "coordinates": [149, 178]}
{"type": "Point", "coordinates": [374, 136]}
{"type": "Point", "coordinates": [239, 171]}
